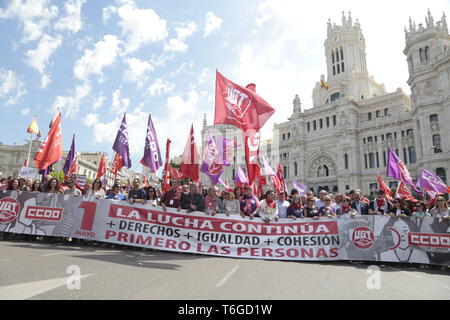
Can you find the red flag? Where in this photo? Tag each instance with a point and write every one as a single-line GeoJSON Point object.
{"type": "Point", "coordinates": [403, 192]}
{"type": "Point", "coordinates": [383, 187]}
{"type": "Point", "coordinates": [51, 149]}
{"type": "Point", "coordinates": [73, 167]}
{"type": "Point", "coordinates": [175, 174]}
{"type": "Point", "coordinates": [117, 164]}
{"type": "Point", "coordinates": [251, 142]}
{"type": "Point", "coordinates": [166, 177]}
{"type": "Point", "coordinates": [102, 167]}
{"type": "Point", "coordinates": [239, 106]}
{"type": "Point", "coordinates": [191, 158]}
{"type": "Point", "coordinates": [280, 175]}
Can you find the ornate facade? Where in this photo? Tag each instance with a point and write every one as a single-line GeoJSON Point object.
{"type": "Point", "coordinates": [341, 142]}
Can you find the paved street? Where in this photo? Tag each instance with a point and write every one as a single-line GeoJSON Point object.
{"type": "Point", "coordinates": [40, 271]}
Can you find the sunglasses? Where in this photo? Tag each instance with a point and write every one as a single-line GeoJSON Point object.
{"type": "Point", "coordinates": [440, 200]}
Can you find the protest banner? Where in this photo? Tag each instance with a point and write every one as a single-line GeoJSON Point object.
{"type": "Point", "coordinates": [81, 180]}
{"type": "Point", "coordinates": [362, 238]}
{"type": "Point", "coordinates": [27, 172]}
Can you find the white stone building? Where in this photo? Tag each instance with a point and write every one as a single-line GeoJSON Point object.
{"type": "Point", "coordinates": [341, 142]}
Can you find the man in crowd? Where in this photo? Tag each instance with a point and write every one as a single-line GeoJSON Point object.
{"type": "Point", "coordinates": [294, 192]}
{"type": "Point", "coordinates": [380, 205]}
{"type": "Point", "coordinates": [320, 202]}
{"type": "Point", "coordinates": [172, 197]}
{"type": "Point", "coordinates": [193, 200]}
{"type": "Point", "coordinates": [360, 206]}
{"type": "Point", "coordinates": [282, 205]}
{"type": "Point", "coordinates": [337, 202]}
{"type": "Point", "coordinates": [72, 190]}
{"type": "Point", "coordinates": [137, 194]}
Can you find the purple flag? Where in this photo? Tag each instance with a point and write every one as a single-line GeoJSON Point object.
{"type": "Point", "coordinates": [212, 165]}
{"type": "Point", "coordinates": [152, 156]}
{"type": "Point", "coordinates": [225, 149]}
{"type": "Point", "coordinates": [70, 157]}
{"type": "Point", "coordinates": [397, 169]}
{"type": "Point", "coordinates": [241, 177]}
{"type": "Point", "coordinates": [268, 169]}
{"type": "Point", "coordinates": [430, 182]}
{"type": "Point", "coordinates": [121, 144]}
{"type": "Point", "coordinates": [300, 187]}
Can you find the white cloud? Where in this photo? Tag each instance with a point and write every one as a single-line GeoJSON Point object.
{"type": "Point", "coordinates": [70, 105]}
{"type": "Point", "coordinates": [139, 26]}
{"type": "Point", "coordinates": [160, 87]}
{"type": "Point", "coordinates": [11, 87]}
{"type": "Point", "coordinates": [119, 106]}
{"type": "Point", "coordinates": [25, 111]}
{"type": "Point", "coordinates": [178, 107]}
{"type": "Point", "coordinates": [34, 15]}
{"type": "Point", "coordinates": [136, 70]}
{"type": "Point", "coordinates": [45, 81]}
{"type": "Point", "coordinates": [39, 58]}
{"type": "Point", "coordinates": [98, 102]}
{"type": "Point", "coordinates": [184, 31]}
{"type": "Point", "coordinates": [90, 120]}
{"type": "Point", "coordinates": [104, 54]}
{"type": "Point", "coordinates": [212, 23]}
{"type": "Point", "coordinates": [71, 21]}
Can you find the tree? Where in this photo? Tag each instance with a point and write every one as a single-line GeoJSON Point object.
{"type": "Point", "coordinates": [59, 175]}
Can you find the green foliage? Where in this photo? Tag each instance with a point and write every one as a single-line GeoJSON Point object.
{"type": "Point", "coordinates": [59, 175]}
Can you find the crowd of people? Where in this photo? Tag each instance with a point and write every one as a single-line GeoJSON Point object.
{"type": "Point", "coordinates": [241, 201]}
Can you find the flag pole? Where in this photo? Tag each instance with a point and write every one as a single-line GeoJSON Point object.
{"type": "Point", "coordinates": [29, 150]}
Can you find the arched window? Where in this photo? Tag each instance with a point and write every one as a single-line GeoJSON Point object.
{"type": "Point", "coordinates": [427, 54]}
{"type": "Point", "coordinates": [434, 118]}
{"type": "Point", "coordinates": [437, 143]}
{"type": "Point", "coordinates": [337, 55]}
{"type": "Point", "coordinates": [342, 54]}
{"type": "Point", "coordinates": [334, 120]}
{"type": "Point", "coordinates": [421, 55]}
{"type": "Point", "coordinates": [440, 172]}
{"type": "Point", "coordinates": [335, 96]}
{"type": "Point", "coordinates": [332, 56]}
{"type": "Point", "coordinates": [346, 161]}
{"type": "Point", "coordinates": [295, 169]}
{"type": "Point", "coordinates": [328, 122]}
{"type": "Point", "coordinates": [371, 160]}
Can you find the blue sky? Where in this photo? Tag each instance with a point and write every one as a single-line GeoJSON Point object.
{"type": "Point", "coordinates": [96, 60]}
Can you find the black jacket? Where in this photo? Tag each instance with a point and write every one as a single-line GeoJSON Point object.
{"type": "Point", "coordinates": [364, 210]}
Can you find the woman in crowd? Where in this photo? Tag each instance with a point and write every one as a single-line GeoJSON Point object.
{"type": "Point", "coordinates": [267, 209]}
{"type": "Point", "coordinates": [440, 209]}
{"type": "Point", "coordinates": [326, 210]}
{"type": "Point", "coordinates": [14, 185]}
{"type": "Point", "coordinates": [96, 190]}
{"type": "Point", "coordinates": [421, 210]}
{"type": "Point", "coordinates": [230, 205]}
{"type": "Point", "coordinates": [36, 186]}
{"type": "Point", "coordinates": [152, 197]}
{"type": "Point", "coordinates": [310, 210]}
{"type": "Point", "coordinates": [116, 193]}
{"type": "Point", "coordinates": [53, 186]}
{"type": "Point", "coordinates": [346, 208]}
{"type": "Point", "coordinates": [237, 193]}
{"type": "Point", "coordinates": [212, 201]}
{"type": "Point", "coordinates": [295, 210]}
{"type": "Point", "coordinates": [400, 209]}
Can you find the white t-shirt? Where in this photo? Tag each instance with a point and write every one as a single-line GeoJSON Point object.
{"type": "Point", "coordinates": [282, 208]}
{"type": "Point", "coordinates": [266, 212]}
{"type": "Point", "coordinates": [440, 214]}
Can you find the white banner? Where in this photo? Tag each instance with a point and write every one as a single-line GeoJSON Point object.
{"type": "Point", "coordinates": [27, 172]}
{"type": "Point", "coordinates": [364, 238]}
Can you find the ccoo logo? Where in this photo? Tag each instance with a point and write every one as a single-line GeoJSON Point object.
{"type": "Point", "coordinates": [363, 238]}
{"type": "Point", "coordinates": [9, 209]}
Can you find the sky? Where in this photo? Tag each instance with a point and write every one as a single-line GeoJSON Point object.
{"type": "Point", "coordinates": [96, 60]}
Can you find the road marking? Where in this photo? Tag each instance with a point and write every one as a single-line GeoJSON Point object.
{"type": "Point", "coordinates": [27, 290]}
{"type": "Point", "coordinates": [228, 275]}
{"type": "Point", "coordinates": [407, 272]}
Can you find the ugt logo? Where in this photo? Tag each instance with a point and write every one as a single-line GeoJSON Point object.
{"type": "Point", "coordinates": [363, 238]}
{"type": "Point", "coordinates": [236, 102]}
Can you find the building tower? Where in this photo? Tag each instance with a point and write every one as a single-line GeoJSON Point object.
{"type": "Point", "coordinates": [428, 57]}
{"type": "Point", "coordinates": [347, 73]}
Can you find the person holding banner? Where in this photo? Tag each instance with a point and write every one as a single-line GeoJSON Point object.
{"type": "Point", "coordinates": [96, 190]}
{"type": "Point", "coordinates": [295, 210]}
{"type": "Point", "coordinates": [346, 208]}
{"type": "Point", "coordinates": [72, 189]}
{"type": "Point", "coordinates": [441, 209]}
{"type": "Point", "coordinates": [116, 193]}
{"type": "Point", "coordinates": [326, 210]}
{"type": "Point", "coordinates": [421, 210]}
{"type": "Point", "coordinates": [53, 186]}
{"type": "Point", "coordinates": [311, 211]}
{"type": "Point", "coordinates": [248, 203]}
{"type": "Point", "coordinates": [237, 193]}
{"type": "Point", "coordinates": [230, 205]}
{"type": "Point", "coordinates": [267, 209]}
{"type": "Point", "coordinates": [282, 205]}
{"type": "Point", "coordinates": [400, 209]}
{"type": "Point", "coordinates": [380, 205]}
{"type": "Point", "coordinates": [13, 185]}
{"type": "Point", "coordinates": [137, 194]}
{"type": "Point", "coordinates": [152, 197]}
{"type": "Point", "coordinates": [172, 197]}
{"type": "Point", "coordinates": [192, 201]}
{"type": "Point", "coordinates": [212, 201]}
